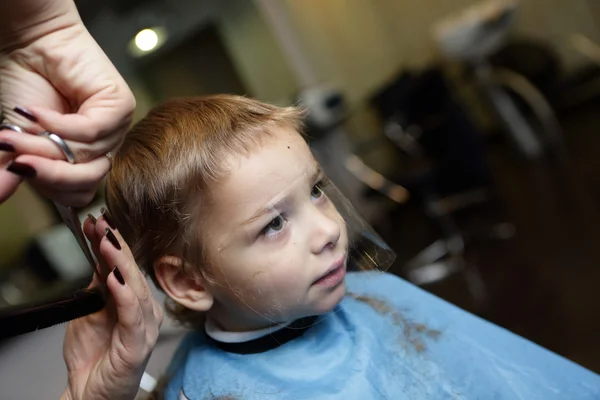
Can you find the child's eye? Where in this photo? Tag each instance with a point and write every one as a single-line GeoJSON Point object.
{"type": "Point", "coordinates": [317, 191]}
{"type": "Point", "coordinates": [274, 227]}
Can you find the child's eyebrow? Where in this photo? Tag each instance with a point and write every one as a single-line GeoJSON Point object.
{"type": "Point", "coordinates": [317, 173]}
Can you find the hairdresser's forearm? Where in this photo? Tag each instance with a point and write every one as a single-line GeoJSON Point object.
{"type": "Point", "coordinates": [24, 21]}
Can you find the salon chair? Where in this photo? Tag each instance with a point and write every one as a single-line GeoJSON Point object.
{"type": "Point", "coordinates": [443, 168]}
{"type": "Point", "coordinates": [473, 37]}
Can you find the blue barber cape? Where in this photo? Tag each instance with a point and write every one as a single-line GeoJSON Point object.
{"type": "Point", "coordinates": [386, 340]}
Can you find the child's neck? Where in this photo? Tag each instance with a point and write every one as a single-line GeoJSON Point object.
{"type": "Point", "coordinates": [232, 321]}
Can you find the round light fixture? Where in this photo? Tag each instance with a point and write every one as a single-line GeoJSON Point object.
{"type": "Point", "coordinates": [146, 39]}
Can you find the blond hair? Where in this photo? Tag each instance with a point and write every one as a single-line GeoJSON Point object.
{"type": "Point", "coordinates": [157, 189]}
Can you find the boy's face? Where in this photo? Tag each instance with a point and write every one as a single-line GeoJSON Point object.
{"type": "Point", "coordinates": [278, 244]}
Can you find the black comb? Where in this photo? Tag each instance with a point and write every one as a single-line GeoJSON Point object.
{"type": "Point", "coordinates": [35, 316]}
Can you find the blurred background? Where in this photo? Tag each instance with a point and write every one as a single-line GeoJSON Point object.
{"type": "Point", "coordinates": [465, 132]}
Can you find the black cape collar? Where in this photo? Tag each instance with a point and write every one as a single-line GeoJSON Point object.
{"type": "Point", "coordinates": [269, 341]}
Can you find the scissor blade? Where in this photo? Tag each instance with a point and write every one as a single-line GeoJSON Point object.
{"type": "Point", "coordinates": [71, 219]}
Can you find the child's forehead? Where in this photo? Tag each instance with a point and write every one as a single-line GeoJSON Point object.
{"type": "Point", "coordinates": [281, 153]}
{"type": "Point", "coordinates": [272, 170]}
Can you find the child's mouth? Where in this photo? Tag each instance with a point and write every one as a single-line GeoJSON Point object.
{"type": "Point", "coordinates": [332, 278]}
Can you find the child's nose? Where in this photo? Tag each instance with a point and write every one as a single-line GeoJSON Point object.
{"type": "Point", "coordinates": [326, 232]}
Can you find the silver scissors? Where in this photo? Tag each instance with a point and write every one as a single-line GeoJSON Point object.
{"type": "Point", "coordinates": [32, 317]}
{"type": "Point", "coordinates": [68, 214]}
{"type": "Point", "coordinates": [71, 219]}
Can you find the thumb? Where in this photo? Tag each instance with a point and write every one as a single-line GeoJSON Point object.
{"type": "Point", "coordinates": [9, 183]}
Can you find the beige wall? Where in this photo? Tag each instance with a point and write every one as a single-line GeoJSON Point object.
{"type": "Point", "coordinates": [255, 52]}
{"type": "Point", "coordinates": [555, 20]}
{"type": "Point", "coordinates": [358, 44]}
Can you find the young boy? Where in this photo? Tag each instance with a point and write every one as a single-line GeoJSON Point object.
{"type": "Point", "coordinates": [224, 207]}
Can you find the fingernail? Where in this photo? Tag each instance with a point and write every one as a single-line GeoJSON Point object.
{"type": "Point", "coordinates": [118, 275]}
{"type": "Point", "coordinates": [4, 146]}
{"type": "Point", "coordinates": [92, 218]}
{"type": "Point", "coordinates": [22, 170]}
{"type": "Point", "coordinates": [25, 113]}
{"type": "Point", "coordinates": [108, 218]}
{"type": "Point", "coordinates": [113, 239]}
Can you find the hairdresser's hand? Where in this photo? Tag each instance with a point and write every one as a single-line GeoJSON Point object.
{"type": "Point", "coordinates": [106, 353]}
{"type": "Point", "coordinates": [57, 71]}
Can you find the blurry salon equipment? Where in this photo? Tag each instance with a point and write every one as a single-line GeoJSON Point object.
{"type": "Point", "coordinates": [587, 47]}
{"type": "Point", "coordinates": [52, 264]}
{"type": "Point", "coordinates": [473, 36]}
{"type": "Point", "coordinates": [326, 115]}
{"type": "Point", "coordinates": [583, 84]}
{"type": "Point", "coordinates": [441, 166]}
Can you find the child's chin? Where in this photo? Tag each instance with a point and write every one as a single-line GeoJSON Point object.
{"type": "Point", "coordinates": [332, 299]}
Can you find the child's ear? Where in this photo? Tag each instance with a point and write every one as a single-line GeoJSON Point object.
{"type": "Point", "coordinates": [190, 292]}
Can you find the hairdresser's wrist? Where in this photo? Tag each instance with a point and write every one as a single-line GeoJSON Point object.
{"type": "Point", "coordinates": [94, 388]}
{"type": "Point", "coordinates": [25, 21]}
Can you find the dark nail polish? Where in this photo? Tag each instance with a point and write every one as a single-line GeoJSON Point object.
{"type": "Point", "coordinates": [22, 170]}
{"type": "Point", "coordinates": [25, 113]}
{"type": "Point", "coordinates": [108, 218]}
{"type": "Point", "coordinates": [113, 239]}
{"type": "Point", "coordinates": [92, 218]}
{"type": "Point", "coordinates": [4, 146]}
{"type": "Point", "coordinates": [118, 275]}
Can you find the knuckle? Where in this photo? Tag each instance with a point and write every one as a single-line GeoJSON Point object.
{"type": "Point", "coordinates": [151, 339]}
{"type": "Point", "coordinates": [138, 319]}
{"type": "Point", "coordinates": [145, 295]}
{"type": "Point", "coordinates": [92, 133]}
{"type": "Point", "coordinates": [87, 134]}
{"type": "Point", "coordinates": [127, 359]}
{"type": "Point", "coordinates": [84, 154]}
{"type": "Point", "coordinates": [5, 135]}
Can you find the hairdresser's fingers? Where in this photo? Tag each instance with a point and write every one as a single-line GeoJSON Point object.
{"type": "Point", "coordinates": [95, 282]}
{"type": "Point", "coordinates": [115, 252]}
{"type": "Point", "coordinates": [89, 229]}
{"type": "Point", "coordinates": [9, 183]}
{"type": "Point", "coordinates": [24, 143]}
{"type": "Point", "coordinates": [7, 152]}
{"type": "Point", "coordinates": [130, 270]}
{"type": "Point", "coordinates": [100, 116]}
{"type": "Point", "coordinates": [158, 312]}
{"type": "Point", "coordinates": [74, 199]}
{"type": "Point", "coordinates": [131, 348]}
{"type": "Point", "coordinates": [60, 175]}
{"type": "Point", "coordinates": [70, 185]}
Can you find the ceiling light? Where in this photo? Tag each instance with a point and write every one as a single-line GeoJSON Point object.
{"type": "Point", "coordinates": [146, 39]}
